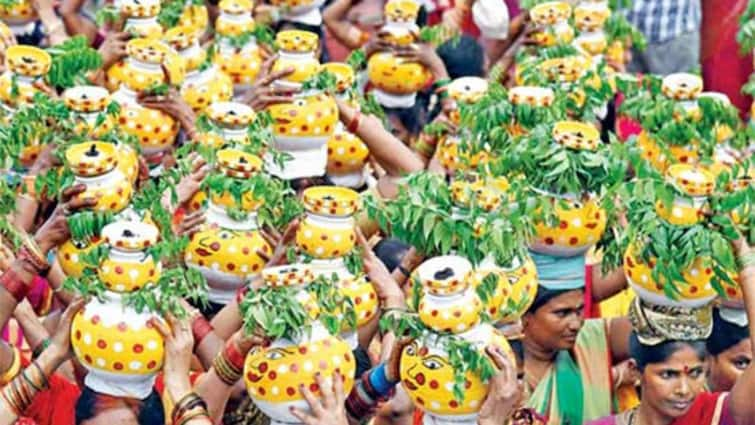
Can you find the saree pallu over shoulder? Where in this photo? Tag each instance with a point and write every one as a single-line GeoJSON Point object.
{"type": "Point", "coordinates": [578, 388]}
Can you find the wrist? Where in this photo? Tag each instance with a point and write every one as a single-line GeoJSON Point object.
{"type": "Point", "coordinates": [178, 388]}
{"type": "Point", "coordinates": [394, 302]}
{"type": "Point", "coordinates": [43, 244]}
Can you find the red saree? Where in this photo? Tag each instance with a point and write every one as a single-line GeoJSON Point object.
{"type": "Point", "coordinates": [725, 70]}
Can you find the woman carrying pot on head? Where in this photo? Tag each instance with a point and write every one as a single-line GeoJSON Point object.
{"type": "Point", "coordinates": [671, 360]}
{"type": "Point", "coordinates": [567, 359]}
{"type": "Point", "coordinates": [729, 349]}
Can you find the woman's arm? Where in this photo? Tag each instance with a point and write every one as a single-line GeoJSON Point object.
{"type": "Point", "coordinates": [344, 31]}
{"type": "Point", "coordinates": [605, 286]}
{"type": "Point", "coordinates": [75, 23]}
{"type": "Point", "coordinates": [740, 400]}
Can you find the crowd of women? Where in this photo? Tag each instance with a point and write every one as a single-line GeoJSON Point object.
{"type": "Point", "coordinates": [415, 150]}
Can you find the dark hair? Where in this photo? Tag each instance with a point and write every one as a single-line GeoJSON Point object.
{"type": "Point", "coordinates": [463, 57]}
{"type": "Point", "coordinates": [390, 252]}
{"type": "Point", "coordinates": [148, 411]}
{"type": "Point", "coordinates": [414, 117]}
{"type": "Point", "coordinates": [648, 354]}
{"type": "Point", "coordinates": [725, 335]}
{"type": "Point", "coordinates": [518, 349]}
{"type": "Point", "coordinates": [544, 295]}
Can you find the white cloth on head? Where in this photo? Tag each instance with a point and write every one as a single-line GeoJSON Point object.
{"type": "Point", "coordinates": [492, 18]}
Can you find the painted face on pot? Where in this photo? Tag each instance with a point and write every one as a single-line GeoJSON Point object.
{"type": "Point", "coordinates": [671, 386]}
{"type": "Point", "coordinates": [728, 366]}
{"type": "Point", "coordinates": [274, 374]}
{"type": "Point", "coordinates": [555, 324]}
{"type": "Point", "coordinates": [228, 251]}
{"type": "Point", "coordinates": [428, 377]}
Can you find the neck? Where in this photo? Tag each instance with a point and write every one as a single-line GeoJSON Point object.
{"type": "Point", "coordinates": [646, 415]}
{"type": "Point", "coordinates": [537, 352]}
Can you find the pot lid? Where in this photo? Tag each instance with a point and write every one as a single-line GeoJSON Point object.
{"type": "Point", "coordinates": [550, 13]}
{"type": "Point", "coordinates": [401, 10]}
{"type": "Point", "coordinates": [445, 275]}
{"type": "Point", "coordinates": [691, 180]}
{"type": "Point", "coordinates": [288, 275]}
{"type": "Point", "coordinates": [91, 158]}
{"type": "Point", "coordinates": [130, 235]}
{"type": "Point", "coordinates": [236, 7]}
{"type": "Point", "coordinates": [237, 163]}
{"type": "Point", "coordinates": [591, 15]}
{"type": "Point", "coordinates": [181, 37]}
{"type": "Point", "coordinates": [576, 135]}
{"type": "Point", "coordinates": [297, 41]}
{"type": "Point", "coordinates": [231, 114]}
{"type": "Point", "coordinates": [147, 50]}
{"type": "Point", "coordinates": [567, 68]}
{"type": "Point", "coordinates": [331, 200]}
{"type": "Point", "coordinates": [140, 8]}
{"type": "Point", "coordinates": [531, 95]}
{"type": "Point", "coordinates": [682, 86]}
{"type": "Point", "coordinates": [86, 98]}
{"type": "Point", "coordinates": [344, 74]}
{"type": "Point", "coordinates": [27, 60]}
{"type": "Point", "coordinates": [467, 89]}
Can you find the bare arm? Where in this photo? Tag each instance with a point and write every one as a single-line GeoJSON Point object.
{"type": "Point", "coordinates": [740, 399]}
{"type": "Point", "coordinates": [74, 22]}
{"type": "Point", "coordinates": [619, 330]}
{"type": "Point", "coordinates": [334, 17]}
{"type": "Point", "coordinates": [605, 286]}
{"type": "Point", "coordinates": [397, 158]}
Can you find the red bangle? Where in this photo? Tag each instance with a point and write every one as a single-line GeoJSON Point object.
{"type": "Point", "coordinates": [14, 285]}
{"type": "Point", "coordinates": [354, 123]}
{"type": "Point", "coordinates": [241, 293]}
{"type": "Point", "coordinates": [234, 357]}
{"type": "Point", "coordinates": [40, 265]}
{"type": "Point", "coordinates": [200, 328]}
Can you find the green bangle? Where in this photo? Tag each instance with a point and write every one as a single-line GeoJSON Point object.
{"type": "Point", "coordinates": [40, 348]}
{"type": "Point", "coordinates": [441, 83]}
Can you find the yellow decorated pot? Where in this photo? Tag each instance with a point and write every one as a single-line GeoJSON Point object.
{"type": "Point", "coordinates": [88, 104]}
{"type": "Point", "coordinates": [363, 297]}
{"type": "Point", "coordinates": [695, 291]}
{"type": "Point", "coordinates": [683, 211]}
{"type": "Point", "coordinates": [27, 61]}
{"type": "Point", "coordinates": [240, 165]}
{"type": "Point", "coordinates": [576, 135]}
{"type": "Point", "coordinates": [327, 231]}
{"type": "Point", "coordinates": [95, 165]}
{"type": "Point", "coordinates": [428, 377]}
{"type": "Point", "coordinates": [682, 86]}
{"type": "Point", "coordinates": [18, 15]}
{"type": "Point", "coordinates": [590, 16]}
{"type": "Point", "coordinates": [522, 281]}
{"type": "Point", "coordinates": [144, 66]}
{"type": "Point", "coordinates": [117, 345]}
{"type": "Point", "coordinates": [565, 69]}
{"type": "Point", "coordinates": [551, 35]}
{"type": "Point", "coordinates": [691, 180]}
{"type": "Point", "coordinates": [531, 95]}
{"type": "Point", "coordinates": [486, 193]}
{"type": "Point", "coordinates": [401, 10]}
{"type": "Point", "coordinates": [343, 72]}
{"type": "Point", "coordinates": [241, 65]}
{"type": "Point", "coordinates": [24, 95]}
{"type": "Point", "coordinates": [297, 7]}
{"type": "Point", "coordinates": [594, 42]}
{"type": "Point", "coordinates": [550, 13]}
{"type": "Point", "coordinates": [347, 155]}
{"type": "Point", "coordinates": [202, 88]}
{"type": "Point", "coordinates": [235, 17]}
{"type": "Point", "coordinates": [297, 52]}
{"type": "Point", "coordinates": [195, 16]}
{"type": "Point", "coordinates": [449, 303]}
{"type": "Point", "coordinates": [445, 275]}
{"type": "Point", "coordinates": [302, 129]}
{"type": "Point", "coordinates": [231, 120]}
{"type": "Point", "coordinates": [394, 75]}
{"type": "Point", "coordinates": [273, 374]}
{"type": "Point", "coordinates": [453, 159]}
{"type": "Point", "coordinates": [581, 224]}
{"type": "Point", "coordinates": [467, 90]}
{"type": "Point", "coordinates": [70, 255]}
{"type": "Point", "coordinates": [650, 151]}
{"type": "Point", "coordinates": [128, 266]}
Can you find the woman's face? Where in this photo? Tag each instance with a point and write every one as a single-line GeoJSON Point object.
{"type": "Point", "coordinates": [727, 366]}
{"type": "Point", "coordinates": [670, 387]}
{"type": "Point", "coordinates": [555, 325]}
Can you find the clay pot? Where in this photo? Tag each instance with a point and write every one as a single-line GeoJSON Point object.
{"type": "Point", "coordinates": [141, 17]}
{"type": "Point", "coordinates": [95, 165]}
{"type": "Point", "coordinates": [121, 351]}
{"type": "Point", "coordinates": [128, 267]}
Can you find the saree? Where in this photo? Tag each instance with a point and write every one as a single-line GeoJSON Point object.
{"type": "Point", "coordinates": [578, 389]}
{"type": "Point", "coordinates": [708, 409]}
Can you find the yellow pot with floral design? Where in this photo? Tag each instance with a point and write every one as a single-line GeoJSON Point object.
{"type": "Point", "coordinates": [240, 59]}
{"type": "Point", "coordinates": [343, 72]}
{"type": "Point", "coordinates": [581, 223]}
{"type": "Point", "coordinates": [95, 165]}
{"type": "Point", "coordinates": [235, 17]}
{"type": "Point", "coordinates": [682, 86]}
{"type": "Point", "coordinates": [24, 65]}
{"type": "Point", "coordinates": [550, 13]}
{"type": "Point", "coordinates": [593, 42]}
{"type": "Point", "coordinates": [19, 16]}
{"type": "Point", "coordinates": [453, 159]}
{"type": "Point", "coordinates": [230, 121]}
{"type": "Point", "coordinates": [273, 374]}
{"type": "Point", "coordinates": [195, 16]}
{"type": "Point", "coordinates": [128, 266]}
{"type": "Point", "coordinates": [695, 291]}
{"type": "Point", "coordinates": [327, 231]}
{"type": "Point", "coordinates": [302, 129]}
{"type": "Point", "coordinates": [118, 346]}
{"type": "Point", "coordinates": [363, 297]}
{"type": "Point", "coordinates": [521, 276]}
{"type": "Point", "coordinates": [396, 80]}
{"type": "Point", "coordinates": [449, 303]}
{"type": "Point", "coordinates": [427, 376]}
{"type": "Point", "coordinates": [149, 62]}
